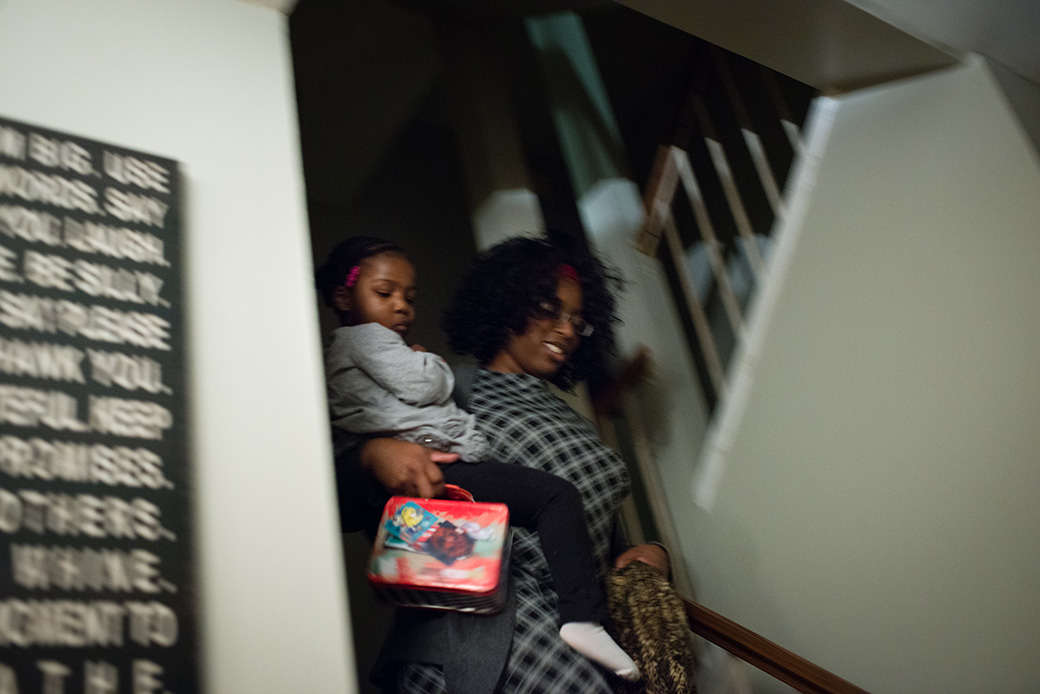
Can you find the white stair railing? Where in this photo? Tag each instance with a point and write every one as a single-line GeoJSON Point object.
{"type": "Point", "coordinates": [709, 295]}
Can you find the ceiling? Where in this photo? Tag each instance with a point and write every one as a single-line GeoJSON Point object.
{"type": "Point", "coordinates": [1007, 31]}
{"type": "Point", "coordinates": [366, 68]}
{"type": "Point", "coordinates": [837, 45]}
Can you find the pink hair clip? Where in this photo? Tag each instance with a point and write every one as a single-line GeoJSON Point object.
{"type": "Point", "coordinates": [568, 271]}
{"type": "Point", "coordinates": [352, 276]}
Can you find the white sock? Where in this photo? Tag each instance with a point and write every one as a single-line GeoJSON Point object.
{"type": "Point", "coordinates": [593, 642]}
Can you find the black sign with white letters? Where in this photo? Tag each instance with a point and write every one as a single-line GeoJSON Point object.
{"type": "Point", "coordinates": [96, 570]}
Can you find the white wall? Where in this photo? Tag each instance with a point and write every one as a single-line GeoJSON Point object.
{"type": "Point", "coordinates": [1024, 97]}
{"type": "Point", "coordinates": [209, 83]}
{"type": "Point", "coordinates": [877, 511]}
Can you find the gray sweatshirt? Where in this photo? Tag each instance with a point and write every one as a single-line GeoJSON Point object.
{"type": "Point", "coordinates": [378, 385]}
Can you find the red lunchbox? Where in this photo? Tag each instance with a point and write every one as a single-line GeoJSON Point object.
{"type": "Point", "coordinates": [447, 554]}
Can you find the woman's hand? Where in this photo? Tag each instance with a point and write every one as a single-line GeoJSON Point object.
{"type": "Point", "coordinates": [406, 468]}
{"type": "Point", "coordinates": [654, 555]}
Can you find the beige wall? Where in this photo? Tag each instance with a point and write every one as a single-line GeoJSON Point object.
{"type": "Point", "coordinates": [209, 84]}
{"type": "Point", "coordinates": [877, 506]}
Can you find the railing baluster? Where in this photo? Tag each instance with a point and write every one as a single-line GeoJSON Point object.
{"type": "Point", "coordinates": [751, 138]}
{"type": "Point", "coordinates": [729, 187]}
{"type": "Point", "coordinates": [786, 120]}
{"type": "Point", "coordinates": [701, 325]}
{"type": "Point", "coordinates": [658, 201]}
{"type": "Point", "coordinates": [711, 242]}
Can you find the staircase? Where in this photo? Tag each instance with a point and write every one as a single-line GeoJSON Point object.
{"type": "Point", "coordinates": [715, 195]}
{"type": "Point", "coordinates": [712, 201]}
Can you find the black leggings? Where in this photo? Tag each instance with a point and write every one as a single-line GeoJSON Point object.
{"type": "Point", "coordinates": [551, 506]}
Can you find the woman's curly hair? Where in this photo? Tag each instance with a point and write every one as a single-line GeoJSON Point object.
{"type": "Point", "coordinates": [499, 295]}
{"type": "Point", "coordinates": [348, 253]}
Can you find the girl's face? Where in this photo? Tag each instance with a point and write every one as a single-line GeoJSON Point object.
{"type": "Point", "coordinates": [384, 293]}
{"type": "Point", "coordinates": [546, 343]}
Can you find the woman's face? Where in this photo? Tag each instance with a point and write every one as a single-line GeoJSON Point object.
{"type": "Point", "coordinates": [546, 343]}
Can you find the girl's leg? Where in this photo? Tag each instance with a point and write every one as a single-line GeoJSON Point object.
{"type": "Point", "coordinates": [552, 506]}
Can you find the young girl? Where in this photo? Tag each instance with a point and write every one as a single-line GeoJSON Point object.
{"type": "Point", "coordinates": [377, 384]}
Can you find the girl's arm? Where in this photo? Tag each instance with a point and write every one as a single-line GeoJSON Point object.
{"type": "Point", "coordinates": [415, 378]}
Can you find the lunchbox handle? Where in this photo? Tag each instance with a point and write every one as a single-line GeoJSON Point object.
{"type": "Point", "coordinates": [456, 493]}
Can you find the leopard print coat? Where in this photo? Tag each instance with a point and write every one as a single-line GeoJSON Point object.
{"type": "Point", "coordinates": [649, 623]}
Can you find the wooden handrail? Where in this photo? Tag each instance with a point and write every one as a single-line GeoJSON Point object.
{"type": "Point", "coordinates": [781, 663]}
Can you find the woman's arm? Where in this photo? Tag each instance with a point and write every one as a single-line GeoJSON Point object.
{"type": "Point", "coordinates": [405, 468]}
{"type": "Point", "coordinates": [654, 555]}
{"type": "Point", "coordinates": [370, 470]}
{"type": "Point", "coordinates": [358, 495]}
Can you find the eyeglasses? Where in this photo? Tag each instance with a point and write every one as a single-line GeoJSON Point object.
{"type": "Point", "coordinates": [547, 311]}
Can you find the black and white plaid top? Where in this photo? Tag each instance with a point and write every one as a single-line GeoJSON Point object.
{"type": "Point", "coordinates": [526, 424]}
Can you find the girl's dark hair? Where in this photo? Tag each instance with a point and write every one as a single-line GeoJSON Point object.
{"type": "Point", "coordinates": [348, 253]}
{"type": "Point", "coordinates": [499, 294]}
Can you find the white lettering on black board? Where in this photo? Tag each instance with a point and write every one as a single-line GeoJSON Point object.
{"type": "Point", "coordinates": [95, 553]}
{"type": "Point", "coordinates": [79, 569]}
{"type": "Point", "coordinates": [137, 172]}
{"type": "Point", "coordinates": [86, 463]}
{"type": "Point", "coordinates": [12, 143]}
{"type": "Point", "coordinates": [8, 266]}
{"type": "Point", "coordinates": [100, 677]}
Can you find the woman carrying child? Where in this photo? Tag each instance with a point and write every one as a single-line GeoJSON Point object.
{"type": "Point", "coordinates": [377, 384]}
{"type": "Point", "coordinates": [530, 313]}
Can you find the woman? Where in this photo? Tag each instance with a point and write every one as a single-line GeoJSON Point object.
{"type": "Point", "coordinates": [531, 313]}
